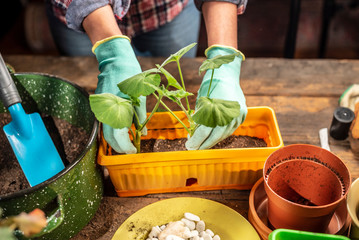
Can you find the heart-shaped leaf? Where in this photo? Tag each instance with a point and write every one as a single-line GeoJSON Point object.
{"type": "Point", "coordinates": [217, 62]}
{"type": "Point", "coordinates": [215, 112]}
{"type": "Point", "coordinates": [176, 56]}
{"type": "Point", "coordinates": [138, 85]}
{"type": "Point", "coordinates": [112, 110]}
{"type": "Point", "coordinates": [171, 80]}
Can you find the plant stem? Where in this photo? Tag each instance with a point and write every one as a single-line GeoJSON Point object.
{"type": "Point", "coordinates": [132, 134]}
{"type": "Point", "coordinates": [210, 83]}
{"type": "Point", "coordinates": [137, 141]}
{"type": "Point", "coordinates": [174, 115]}
{"type": "Point", "coordinates": [179, 103]}
{"type": "Point", "coordinates": [139, 125]}
{"type": "Point", "coordinates": [153, 111]}
{"type": "Point", "coordinates": [183, 86]}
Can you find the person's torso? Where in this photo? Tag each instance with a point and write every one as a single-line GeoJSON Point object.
{"type": "Point", "coordinates": [147, 15]}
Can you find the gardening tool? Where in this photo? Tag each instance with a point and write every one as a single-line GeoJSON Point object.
{"type": "Point", "coordinates": [323, 137]}
{"type": "Point", "coordinates": [29, 139]}
{"type": "Point", "coordinates": [71, 198]}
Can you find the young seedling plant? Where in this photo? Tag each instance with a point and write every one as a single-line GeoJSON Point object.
{"type": "Point", "coordinates": [119, 113]}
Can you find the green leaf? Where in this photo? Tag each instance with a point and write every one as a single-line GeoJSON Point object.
{"type": "Point", "coordinates": [140, 84]}
{"type": "Point", "coordinates": [176, 56]}
{"type": "Point", "coordinates": [215, 112]}
{"type": "Point", "coordinates": [177, 95]}
{"type": "Point", "coordinates": [112, 110]}
{"type": "Point", "coordinates": [217, 62]}
{"type": "Point", "coordinates": [171, 80]}
{"type": "Point", "coordinates": [6, 234]}
{"type": "Point", "coordinates": [135, 101]}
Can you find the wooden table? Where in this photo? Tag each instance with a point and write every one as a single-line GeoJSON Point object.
{"type": "Point", "coordinates": [303, 93]}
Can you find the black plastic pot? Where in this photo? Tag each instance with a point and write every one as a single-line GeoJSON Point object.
{"type": "Point", "coordinates": [71, 198]}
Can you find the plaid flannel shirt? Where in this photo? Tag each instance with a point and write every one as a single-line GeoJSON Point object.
{"type": "Point", "coordinates": [134, 17]}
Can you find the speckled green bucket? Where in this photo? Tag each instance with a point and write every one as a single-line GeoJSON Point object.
{"type": "Point", "coordinates": [71, 198]}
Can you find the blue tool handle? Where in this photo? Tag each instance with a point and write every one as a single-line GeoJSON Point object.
{"type": "Point", "coordinates": [8, 91]}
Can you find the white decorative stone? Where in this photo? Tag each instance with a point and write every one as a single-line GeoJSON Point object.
{"type": "Point", "coordinates": [200, 226]}
{"type": "Point", "coordinates": [192, 217]}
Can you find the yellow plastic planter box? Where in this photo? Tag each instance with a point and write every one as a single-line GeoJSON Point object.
{"type": "Point", "coordinates": [180, 171]}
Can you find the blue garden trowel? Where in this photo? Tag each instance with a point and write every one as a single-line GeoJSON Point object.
{"type": "Point", "coordinates": [29, 139]}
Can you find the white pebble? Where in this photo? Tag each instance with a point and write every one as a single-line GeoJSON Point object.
{"type": "Point", "coordinates": [191, 227]}
{"type": "Point", "coordinates": [173, 228]}
{"type": "Point", "coordinates": [186, 233]}
{"type": "Point", "coordinates": [190, 224]}
{"type": "Point", "coordinates": [194, 233]}
{"type": "Point", "coordinates": [206, 236]}
{"type": "Point", "coordinates": [209, 231]}
{"type": "Point", "coordinates": [154, 232]}
{"type": "Point", "coordinates": [174, 237]}
{"type": "Point", "coordinates": [192, 217]}
{"type": "Point", "coordinates": [200, 226]}
{"type": "Point", "coordinates": [216, 237]}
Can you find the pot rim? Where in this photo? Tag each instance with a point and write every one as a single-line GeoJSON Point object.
{"type": "Point", "coordinates": [92, 137]}
{"type": "Point", "coordinates": [343, 197]}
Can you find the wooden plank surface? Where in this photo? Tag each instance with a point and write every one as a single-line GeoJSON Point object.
{"type": "Point", "coordinates": [303, 93]}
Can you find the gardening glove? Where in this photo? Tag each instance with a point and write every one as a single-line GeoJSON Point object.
{"type": "Point", "coordinates": [350, 97]}
{"type": "Point", "coordinates": [225, 85]}
{"type": "Point", "coordinates": [117, 62]}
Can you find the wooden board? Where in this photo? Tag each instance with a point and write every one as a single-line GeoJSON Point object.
{"type": "Point", "coordinates": [303, 93]}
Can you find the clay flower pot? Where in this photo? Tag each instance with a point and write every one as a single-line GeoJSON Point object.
{"type": "Point", "coordinates": [304, 184]}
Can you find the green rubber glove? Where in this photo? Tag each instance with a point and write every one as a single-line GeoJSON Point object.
{"type": "Point", "coordinates": [225, 85]}
{"type": "Point", "coordinates": [117, 62]}
{"type": "Point", "coordinates": [350, 97]}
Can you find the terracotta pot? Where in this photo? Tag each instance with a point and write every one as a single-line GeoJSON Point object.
{"type": "Point", "coordinates": [304, 184]}
{"type": "Point", "coordinates": [258, 214]}
{"type": "Point", "coordinates": [353, 209]}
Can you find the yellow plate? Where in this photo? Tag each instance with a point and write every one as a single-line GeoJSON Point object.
{"type": "Point", "coordinates": [222, 220]}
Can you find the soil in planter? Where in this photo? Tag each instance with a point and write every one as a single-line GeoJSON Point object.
{"type": "Point", "coordinates": [69, 140]}
{"type": "Point", "coordinates": [165, 145]}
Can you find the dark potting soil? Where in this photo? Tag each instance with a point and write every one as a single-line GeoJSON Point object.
{"type": "Point", "coordinates": [301, 200]}
{"type": "Point", "coordinates": [69, 140]}
{"type": "Point", "coordinates": [165, 145]}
